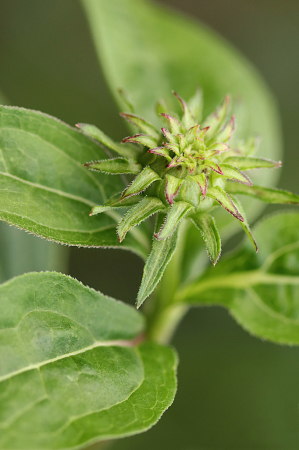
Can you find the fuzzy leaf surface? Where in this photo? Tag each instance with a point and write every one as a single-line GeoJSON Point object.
{"type": "Point", "coordinates": [261, 290]}
{"type": "Point", "coordinates": [207, 226]}
{"type": "Point", "coordinates": [160, 256]}
{"type": "Point", "coordinates": [79, 378]}
{"type": "Point", "coordinates": [41, 162]}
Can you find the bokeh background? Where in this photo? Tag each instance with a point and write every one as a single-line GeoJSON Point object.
{"type": "Point", "coordinates": [235, 391]}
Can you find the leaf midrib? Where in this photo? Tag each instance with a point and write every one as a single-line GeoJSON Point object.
{"type": "Point", "coordinates": [96, 344]}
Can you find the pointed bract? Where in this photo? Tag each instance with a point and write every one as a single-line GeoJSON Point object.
{"type": "Point", "coordinates": [115, 166]}
{"type": "Point", "coordinates": [245, 224]}
{"type": "Point", "coordinates": [140, 212]}
{"type": "Point", "coordinates": [225, 201]}
{"type": "Point", "coordinates": [141, 124]}
{"type": "Point", "coordinates": [141, 182]}
{"type": "Point", "coordinates": [175, 215]}
{"type": "Point", "coordinates": [172, 188]}
{"type": "Point", "coordinates": [267, 195]}
{"type": "Point", "coordinates": [232, 173]}
{"type": "Point", "coordinates": [195, 104]}
{"type": "Point", "coordinates": [143, 139]}
{"type": "Point", "coordinates": [207, 226]}
{"type": "Point", "coordinates": [188, 119]}
{"type": "Point", "coordinates": [202, 182]}
{"type": "Point", "coordinates": [175, 125]}
{"type": "Point", "coordinates": [116, 203]}
{"type": "Point", "coordinates": [248, 162]}
{"type": "Point", "coordinates": [216, 120]}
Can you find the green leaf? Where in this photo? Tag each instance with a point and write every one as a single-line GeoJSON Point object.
{"type": "Point", "coordinates": [160, 256]}
{"type": "Point", "coordinates": [115, 202]}
{"type": "Point", "coordinates": [141, 182]}
{"type": "Point", "coordinates": [143, 139]}
{"type": "Point", "coordinates": [40, 168]}
{"type": "Point", "coordinates": [276, 196]}
{"type": "Point", "coordinates": [95, 133]}
{"type": "Point", "coordinates": [216, 120]}
{"type": "Point", "coordinates": [232, 173]}
{"type": "Point", "coordinates": [172, 187]}
{"type": "Point", "coordinates": [245, 224]}
{"type": "Point", "coordinates": [177, 212]}
{"type": "Point", "coordinates": [218, 194]}
{"type": "Point", "coordinates": [79, 378]}
{"type": "Point", "coordinates": [248, 162]}
{"type": "Point", "coordinates": [207, 226]}
{"type": "Point", "coordinates": [261, 290]}
{"type": "Point", "coordinates": [21, 252]}
{"type": "Point", "coordinates": [115, 166]}
{"type": "Point", "coordinates": [142, 125]}
{"type": "Point", "coordinates": [140, 212]}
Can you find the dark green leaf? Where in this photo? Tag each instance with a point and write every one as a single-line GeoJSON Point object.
{"type": "Point", "coordinates": [70, 374]}
{"type": "Point", "coordinates": [207, 226]}
{"type": "Point", "coordinates": [276, 196]}
{"type": "Point", "coordinates": [160, 256]}
{"type": "Point", "coordinates": [261, 289]}
{"type": "Point", "coordinates": [45, 188]}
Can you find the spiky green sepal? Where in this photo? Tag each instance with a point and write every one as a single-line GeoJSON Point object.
{"type": "Point", "coordinates": [184, 170]}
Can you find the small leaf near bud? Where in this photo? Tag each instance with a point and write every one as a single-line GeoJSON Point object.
{"type": "Point", "coordinates": [161, 151]}
{"type": "Point", "coordinates": [141, 182]}
{"type": "Point", "coordinates": [188, 119]}
{"type": "Point", "coordinates": [175, 124]}
{"type": "Point", "coordinates": [202, 182]}
{"type": "Point", "coordinates": [95, 133]}
{"type": "Point", "coordinates": [207, 226]}
{"type": "Point", "coordinates": [267, 195]}
{"type": "Point", "coordinates": [141, 124]}
{"type": "Point", "coordinates": [196, 105]}
{"type": "Point", "coordinates": [115, 203]}
{"type": "Point", "coordinates": [140, 212]}
{"type": "Point", "coordinates": [226, 133]}
{"type": "Point", "coordinates": [225, 201]}
{"type": "Point", "coordinates": [232, 173]}
{"type": "Point", "coordinates": [175, 215]}
{"type": "Point", "coordinates": [248, 162]}
{"type": "Point", "coordinates": [143, 139]}
{"type": "Point", "coordinates": [216, 120]}
{"type": "Point", "coordinates": [172, 188]}
{"type": "Point", "coordinates": [115, 166]}
{"type": "Point", "coordinates": [245, 224]}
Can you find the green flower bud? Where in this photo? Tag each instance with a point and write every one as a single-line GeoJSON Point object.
{"type": "Point", "coordinates": [181, 171]}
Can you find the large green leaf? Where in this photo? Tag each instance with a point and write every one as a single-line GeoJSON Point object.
{"type": "Point", "coordinates": [70, 373]}
{"type": "Point", "coordinates": [45, 188]}
{"type": "Point", "coordinates": [261, 290]}
{"type": "Point", "coordinates": [21, 252]}
{"type": "Point", "coordinates": [149, 50]}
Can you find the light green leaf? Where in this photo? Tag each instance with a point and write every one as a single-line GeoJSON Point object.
{"type": "Point", "coordinates": [248, 162]}
{"type": "Point", "coordinates": [276, 196]}
{"type": "Point", "coordinates": [245, 224]}
{"type": "Point", "coordinates": [142, 124]}
{"type": "Point", "coordinates": [160, 256]}
{"type": "Point", "coordinates": [261, 290]}
{"type": "Point", "coordinates": [143, 139]}
{"type": "Point", "coordinates": [232, 173]}
{"type": "Point", "coordinates": [140, 212]}
{"type": "Point", "coordinates": [218, 194]}
{"type": "Point", "coordinates": [95, 133]}
{"type": "Point", "coordinates": [178, 210]}
{"type": "Point", "coordinates": [114, 202]}
{"type": "Point", "coordinates": [141, 182]}
{"type": "Point", "coordinates": [115, 166]}
{"type": "Point", "coordinates": [207, 226]}
{"type": "Point", "coordinates": [79, 378]}
{"type": "Point", "coordinates": [40, 168]}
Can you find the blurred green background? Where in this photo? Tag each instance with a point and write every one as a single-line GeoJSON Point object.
{"type": "Point", "coordinates": [235, 391]}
